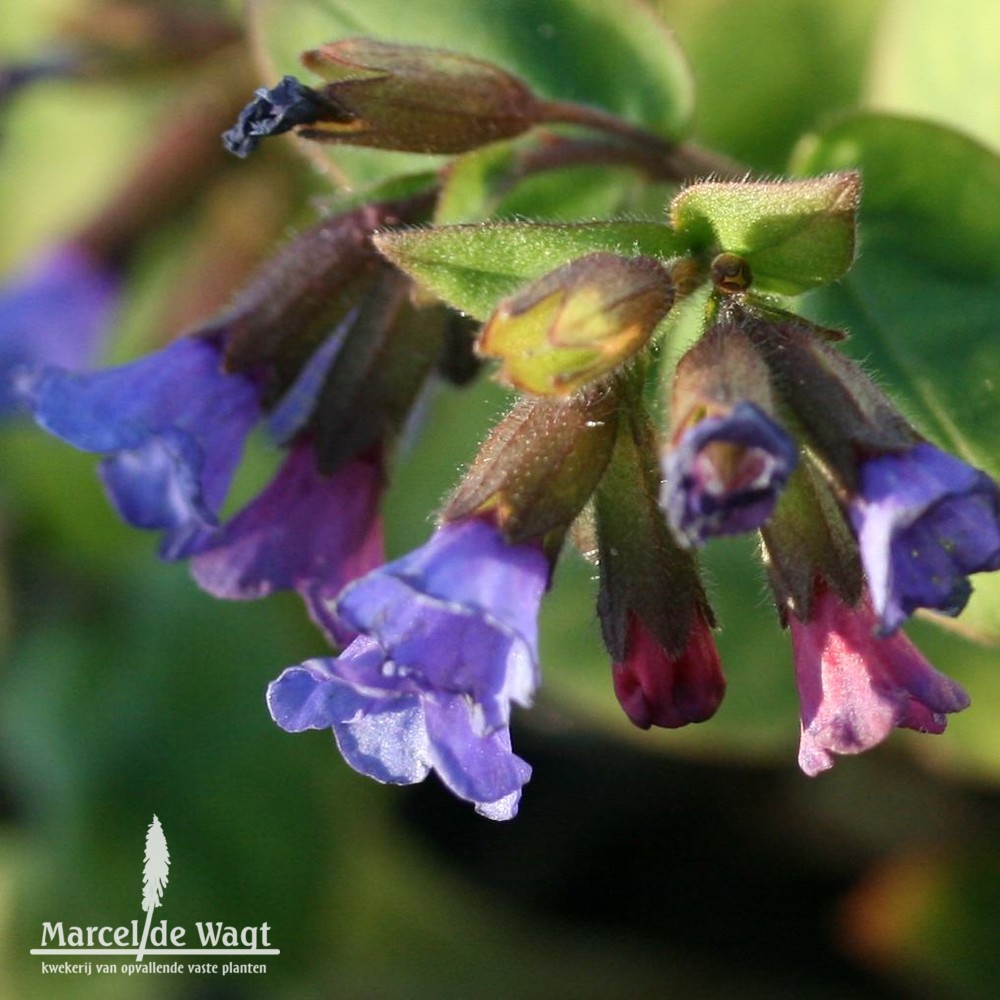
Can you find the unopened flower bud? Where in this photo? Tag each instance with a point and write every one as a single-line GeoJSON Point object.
{"type": "Point", "coordinates": [401, 97]}
{"type": "Point", "coordinates": [540, 465]}
{"type": "Point", "coordinates": [658, 689]}
{"type": "Point", "coordinates": [577, 323]}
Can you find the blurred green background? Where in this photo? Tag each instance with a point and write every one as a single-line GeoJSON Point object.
{"type": "Point", "coordinates": [693, 863]}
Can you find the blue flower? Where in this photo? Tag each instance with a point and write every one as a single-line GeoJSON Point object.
{"type": "Point", "coordinates": [461, 612]}
{"type": "Point", "coordinates": [391, 726]}
{"type": "Point", "coordinates": [724, 474]}
{"type": "Point", "coordinates": [306, 531]}
{"type": "Point", "coordinates": [925, 520]}
{"type": "Point", "coordinates": [172, 426]}
{"type": "Point", "coordinates": [448, 639]}
{"type": "Point", "coordinates": [53, 312]}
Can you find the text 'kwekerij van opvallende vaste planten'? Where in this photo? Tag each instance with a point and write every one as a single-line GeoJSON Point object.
{"type": "Point", "coordinates": [668, 387]}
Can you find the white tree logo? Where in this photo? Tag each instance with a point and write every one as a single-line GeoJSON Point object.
{"type": "Point", "coordinates": [154, 876]}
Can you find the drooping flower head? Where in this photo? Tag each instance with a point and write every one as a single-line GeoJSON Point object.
{"type": "Point", "coordinates": [925, 520]}
{"type": "Point", "coordinates": [855, 688]}
{"type": "Point", "coordinates": [172, 427]}
{"type": "Point", "coordinates": [305, 531]}
{"type": "Point", "coordinates": [724, 473]}
{"type": "Point", "coordinates": [448, 639]}
{"type": "Point", "coordinates": [53, 312]}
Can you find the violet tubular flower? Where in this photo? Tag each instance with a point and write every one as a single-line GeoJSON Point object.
{"type": "Point", "coordinates": [54, 312]}
{"type": "Point", "coordinates": [392, 726]}
{"type": "Point", "coordinates": [461, 612]}
{"type": "Point", "coordinates": [306, 531]}
{"type": "Point", "coordinates": [925, 520]}
{"type": "Point", "coordinates": [855, 688]}
{"type": "Point", "coordinates": [448, 639]}
{"type": "Point", "coordinates": [172, 427]}
{"type": "Point", "coordinates": [725, 473]}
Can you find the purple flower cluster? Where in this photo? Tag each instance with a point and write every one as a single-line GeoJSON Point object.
{"type": "Point", "coordinates": [435, 648]}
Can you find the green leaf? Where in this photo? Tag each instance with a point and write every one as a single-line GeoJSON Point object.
{"type": "Point", "coordinates": [922, 301]}
{"type": "Point", "coordinates": [486, 183]}
{"type": "Point", "coordinates": [917, 47]}
{"type": "Point", "coordinates": [795, 235]}
{"type": "Point", "coordinates": [565, 49]}
{"type": "Point", "coordinates": [933, 189]}
{"type": "Point", "coordinates": [798, 63]}
{"type": "Point", "coordinates": [472, 267]}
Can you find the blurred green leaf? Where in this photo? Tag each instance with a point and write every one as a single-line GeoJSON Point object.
{"type": "Point", "coordinates": [473, 267]}
{"type": "Point", "coordinates": [922, 300]}
{"type": "Point", "coordinates": [765, 72]}
{"type": "Point", "coordinates": [486, 183]}
{"type": "Point", "coordinates": [794, 234]}
{"type": "Point", "coordinates": [919, 47]}
{"type": "Point", "coordinates": [565, 49]}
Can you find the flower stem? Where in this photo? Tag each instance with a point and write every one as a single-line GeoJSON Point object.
{"type": "Point", "coordinates": [676, 161]}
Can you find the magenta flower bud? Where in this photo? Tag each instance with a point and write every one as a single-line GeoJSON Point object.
{"type": "Point", "coordinates": [657, 689]}
{"type": "Point", "coordinates": [925, 520]}
{"type": "Point", "coordinates": [724, 474]}
{"type": "Point", "coordinates": [855, 688]}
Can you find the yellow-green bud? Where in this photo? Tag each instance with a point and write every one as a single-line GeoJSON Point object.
{"type": "Point", "coordinates": [577, 323]}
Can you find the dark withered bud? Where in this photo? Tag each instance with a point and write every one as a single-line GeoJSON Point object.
{"type": "Point", "coordinates": [577, 323]}
{"type": "Point", "coordinates": [417, 99]}
{"type": "Point", "coordinates": [401, 97]}
{"type": "Point", "coordinates": [540, 465]}
{"type": "Point", "coordinates": [276, 110]}
{"type": "Point", "coordinates": [728, 458]}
